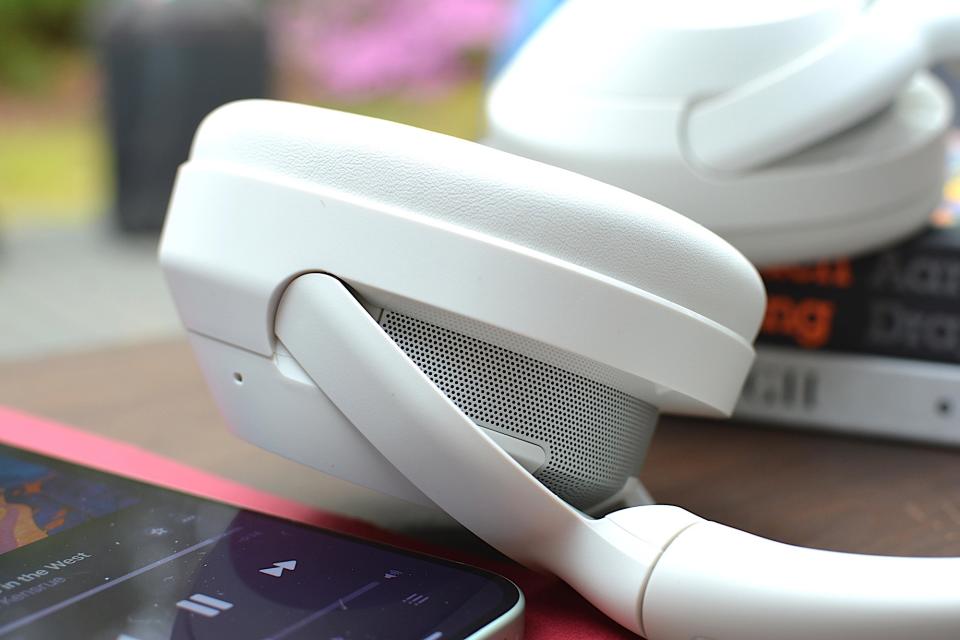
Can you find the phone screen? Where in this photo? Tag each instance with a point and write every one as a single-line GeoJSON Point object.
{"type": "Point", "coordinates": [85, 554]}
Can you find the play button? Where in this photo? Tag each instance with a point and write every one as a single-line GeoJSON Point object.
{"type": "Point", "coordinates": [279, 567]}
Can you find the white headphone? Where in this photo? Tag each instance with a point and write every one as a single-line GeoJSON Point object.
{"type": "Point", "coordinates": [458, 326]}
{"type": "Point", "coordinates": [795, 129]}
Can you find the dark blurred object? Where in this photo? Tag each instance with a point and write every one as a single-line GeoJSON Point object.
{"type": "Point", "coordinates": [33, 33]}
{"type": "Point", "coordinates": [167, 64]}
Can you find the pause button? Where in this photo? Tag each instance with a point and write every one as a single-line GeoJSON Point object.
{"type": "Point", "coordinates": [205, 605]}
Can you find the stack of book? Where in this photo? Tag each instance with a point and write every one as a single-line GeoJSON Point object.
{"type": "Point", "coordinates": [867, 345]}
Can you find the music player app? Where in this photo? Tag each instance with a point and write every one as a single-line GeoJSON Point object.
{"type": "Point", "coordinates": [88, 555]}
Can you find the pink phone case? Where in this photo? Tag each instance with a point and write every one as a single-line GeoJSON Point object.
{"type": "Point", "coordinates": [553, 610]}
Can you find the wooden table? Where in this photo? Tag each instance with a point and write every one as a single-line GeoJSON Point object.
{"type": "Point", "coordinates": [816, 490]}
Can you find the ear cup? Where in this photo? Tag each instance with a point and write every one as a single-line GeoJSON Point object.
{"type": "Point", "coordinates": [592, 428]}
{"type": "Point", "coordinates": [561, 214]}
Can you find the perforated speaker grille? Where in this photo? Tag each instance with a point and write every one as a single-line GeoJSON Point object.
{"type": "Point", "coordinates": [595, 437]}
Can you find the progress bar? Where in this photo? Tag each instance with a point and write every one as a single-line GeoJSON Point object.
{"type": "Point", "coordinates": [339, 603]}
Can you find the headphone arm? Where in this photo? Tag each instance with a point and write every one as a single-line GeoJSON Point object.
{"type": "Point", "coordinates": [659, 571]}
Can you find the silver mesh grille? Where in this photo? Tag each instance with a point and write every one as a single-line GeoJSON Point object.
{"type": "Point", "coordinates": [595, 437]}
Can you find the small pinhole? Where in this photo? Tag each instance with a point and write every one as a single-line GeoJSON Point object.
{"type": "Point", "coordinates": [944, 407]}
{"type": "Point", "coordinates": [238, 377]}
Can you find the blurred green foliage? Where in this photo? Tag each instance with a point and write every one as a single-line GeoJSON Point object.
{"type": "Point", "coordinates": [54, 157]}
{"type": "Point", "coordinates": [458, 112]}
{"type": "Point", "coordinates": [34, 34]}
{"type": "Point", "coordinates": [53, 170]}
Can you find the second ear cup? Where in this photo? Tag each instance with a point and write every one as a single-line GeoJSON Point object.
{"type": "Point", "coordinates": [867, 186]}
{"type": "Point", "coordinates": [618, 108]}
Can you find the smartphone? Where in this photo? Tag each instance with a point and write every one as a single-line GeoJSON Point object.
{"type": "Point", "coordinates": [89, 554]}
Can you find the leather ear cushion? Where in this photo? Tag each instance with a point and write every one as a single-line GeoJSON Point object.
{"type": "Point", "coordinates": [547, 209]}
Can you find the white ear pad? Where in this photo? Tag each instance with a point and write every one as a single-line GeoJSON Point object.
{"type": "Point", "coordinates": [559, 213]}
{"type": "Point", "coordinates": [617, 112]}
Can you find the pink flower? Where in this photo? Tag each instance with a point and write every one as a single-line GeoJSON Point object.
{"type": "Point", "coordinates": [366, 48]}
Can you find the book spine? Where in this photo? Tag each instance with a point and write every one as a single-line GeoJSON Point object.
{"type": "Point", "coordinates": [903, 302]}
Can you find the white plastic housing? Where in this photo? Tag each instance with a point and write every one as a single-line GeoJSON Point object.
{"type": "Point", "coordinates": [719, 583]}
